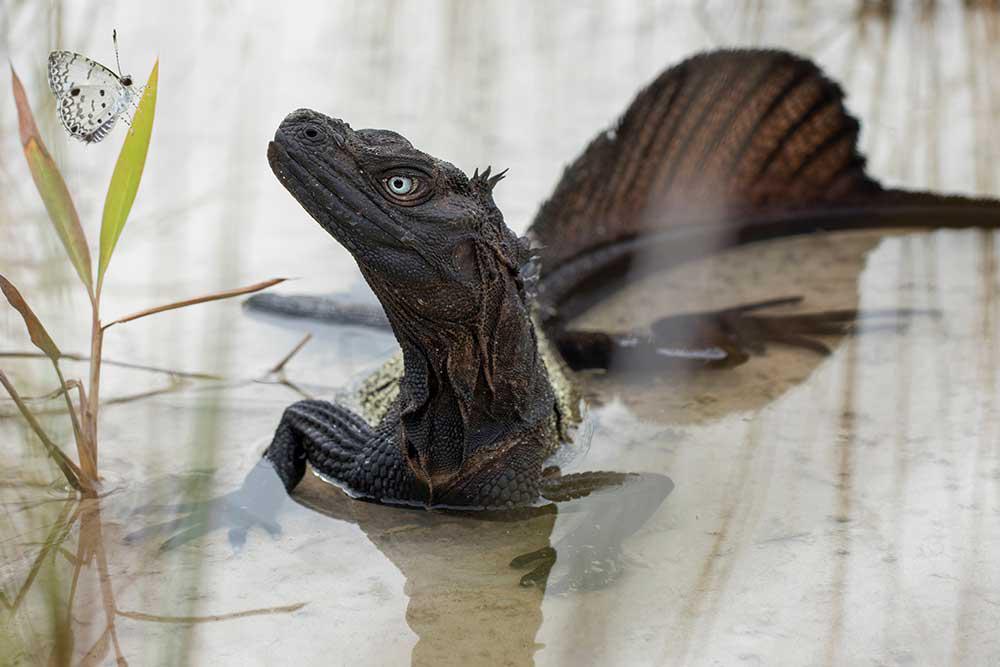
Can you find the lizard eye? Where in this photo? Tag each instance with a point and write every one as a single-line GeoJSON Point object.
{"type": "Point", "coordinates": [406, 188]}
{"type": "Point", "coordinates": [400, 185]}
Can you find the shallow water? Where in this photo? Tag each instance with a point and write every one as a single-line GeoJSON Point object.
{"type": "Point", "coordinates": [825, 510]}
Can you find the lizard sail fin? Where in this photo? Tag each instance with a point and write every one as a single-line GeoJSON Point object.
{"type": "Point", "coordinates": [718, 137]}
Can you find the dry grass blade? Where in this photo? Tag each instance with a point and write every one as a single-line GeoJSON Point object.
{"type": "Point", "coordinates": [69, 469]}
{"type": "Point", "coordinates": [74, 356]}
{"type": "Point", "coordinates": [278, 367]}
{"type": "Point", "coordinates": [228, 294]}
{"type": "Point", "coordinates": [52, 187]}
{"type": "Point", "coordinates": [158, 618]}
{"type": "Point", "coordinates": [99, 651]}
{"type": "Point", "coordinates": [39, 336]}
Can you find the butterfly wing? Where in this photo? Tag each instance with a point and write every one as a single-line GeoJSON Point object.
{"type": "Point", "coordinates": [91, 113]}
{"type": "Point", "coordinates": [68, 69]}
{"type": "Point", "coordinates": [89, 96]}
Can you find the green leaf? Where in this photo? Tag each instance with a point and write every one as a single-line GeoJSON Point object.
{"type": "Point", "coordinates": [52, 187]}
{"type": "Point", "coordinates": [127, 174]}
{"type": "Point", "coordinates": [39, 336]}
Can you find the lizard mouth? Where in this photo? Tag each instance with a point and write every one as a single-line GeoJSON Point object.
{"type": "Point", "coordinates": [320, 178]}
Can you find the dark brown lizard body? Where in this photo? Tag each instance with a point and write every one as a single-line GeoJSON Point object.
{"type": "Point", "coordinates": [725, 148]}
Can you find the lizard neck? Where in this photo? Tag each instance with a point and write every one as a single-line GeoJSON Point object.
{"type": "Point", "coordinates": [468, 385]}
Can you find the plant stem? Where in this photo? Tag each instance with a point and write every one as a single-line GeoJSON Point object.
{"type": "Point", "coordinates": [81, 398]}
{"type": "Point", "coordinates": [88, 458]}
{"type": "Point", "coordinates": [78, 432]}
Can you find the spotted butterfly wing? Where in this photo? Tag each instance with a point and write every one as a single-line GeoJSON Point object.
{"type": "Point", "coordinates": [90, 98]}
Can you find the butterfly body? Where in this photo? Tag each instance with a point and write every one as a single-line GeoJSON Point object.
{"type": "Point", "coordinates": [90, 98]}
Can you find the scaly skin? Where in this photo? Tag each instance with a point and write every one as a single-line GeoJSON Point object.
{"type": "Point", "coordinates": [725, 148]}
{"type": "Point", "coordinates": [476, 416]}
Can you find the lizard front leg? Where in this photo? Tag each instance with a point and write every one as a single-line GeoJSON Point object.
{"type": "Point", "coordinates": [344, 449]}
{"type": "Point", "coordinates": [339, 445]}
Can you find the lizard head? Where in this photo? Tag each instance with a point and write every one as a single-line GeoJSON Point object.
{"type": "Point", "coordinates": [414, 223]}
{"type": "Point", "coordinates": [433, 246]}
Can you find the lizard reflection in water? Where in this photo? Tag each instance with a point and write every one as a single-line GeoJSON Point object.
{"type": "Point", "coordinates": [726, 148]}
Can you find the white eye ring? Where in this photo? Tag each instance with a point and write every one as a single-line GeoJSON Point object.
{"type": "Point", "coordinates": [399, 185]}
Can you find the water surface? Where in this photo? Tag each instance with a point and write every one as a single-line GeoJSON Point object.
{"type": "Point", "coordinates": [825, 510]}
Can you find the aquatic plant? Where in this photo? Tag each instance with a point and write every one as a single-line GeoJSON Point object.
{"type": "Point", "coordinates": [85, 411]}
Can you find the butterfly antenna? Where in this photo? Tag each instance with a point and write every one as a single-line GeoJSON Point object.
{"type": "Point", "coordinates": [114, 38]}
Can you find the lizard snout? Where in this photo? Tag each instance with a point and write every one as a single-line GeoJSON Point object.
{"type": "Point", "coordinates": [308, 128]}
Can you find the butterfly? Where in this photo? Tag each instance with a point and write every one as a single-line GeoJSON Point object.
{"type": "Point", "coordinates": [90, 98]}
